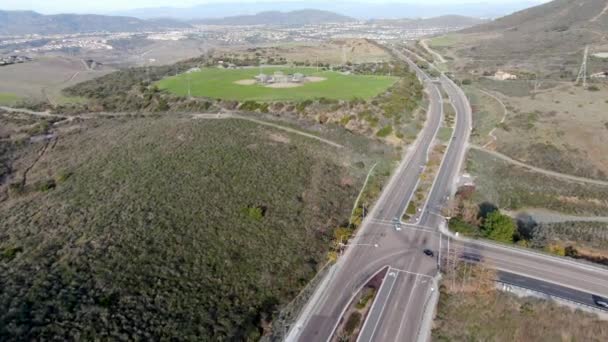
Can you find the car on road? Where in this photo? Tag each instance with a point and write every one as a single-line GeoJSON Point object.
{"type": "Point", "coordinates": [471, 257]}
{"type": "Point", "coordinates": [600, 301]}
{"type": "Point", "coordinates": [428, 252]}
{"type": "Point", "coordinates": [397, 224]}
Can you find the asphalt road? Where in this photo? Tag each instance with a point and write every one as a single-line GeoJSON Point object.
{"type": "Point", "coordinates": [398, 309]}
{"type": "Point", "coordinates": [550, 289]}
{"type": "Point", "coordinates": [400, 249]}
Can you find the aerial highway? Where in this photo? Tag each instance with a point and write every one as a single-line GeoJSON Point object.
{"type": "Point", "coordinates": [399, 306]}
{"type": "Point", "coordinates": [402, 251]}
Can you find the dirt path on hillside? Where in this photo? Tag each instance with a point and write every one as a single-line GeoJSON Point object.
{"type": "Point", "coordinates": [440, 58]}
{"type": "Point", "coordinates": [600, 14]}
{"type": "Point", "coordinates": [266, 123]}
{"type": "Point", "coordinates": [539, 170]}
{"type": "Point", "coordinates": [195, 116]}
{"type": "Point", "coordinates": [548, 216]}
{"type": "Point", "coordinates": [504, 117]}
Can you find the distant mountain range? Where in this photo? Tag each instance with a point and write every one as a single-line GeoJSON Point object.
{"type": "Point", "coordinates": [359, 10]}
{"type": "Point", "coordinates": [28, 22]}
{"type": "Point", "coordinates": [442, 21]}
{"type": "Point", "coordinates": [295, 18]}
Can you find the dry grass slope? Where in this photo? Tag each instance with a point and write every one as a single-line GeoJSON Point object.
{"type": "Point", "coordinates": [468, 311]}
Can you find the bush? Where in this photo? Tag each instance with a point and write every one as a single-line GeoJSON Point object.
{"type": "Point", "coordinates": [63, 176]}
{"type": "Point", "coordinates": [254, 213]}
{"type": "Point", "coordinates": [459, 226]}
{"type": "Point", "coordinates": [499, 227]}
{"type": "Point", "coordinates": [249, 106]}
{"type": "Point", "coordinates": [385, 131]}
{"type": "Point", "coordinates": [9, 253]}
{"type": "Point", "coordinates": [556, 249]}
{"type": "Point", "coordinates": [353, 322]}
{"type": "Point", "coordinates": [46, 185]}
{"type": "Point", "coordinates": [346, 119]}
{"type": "Point", "coordinates": [301, 106]}
{"type": "Point", "coordinates": [466, 81]}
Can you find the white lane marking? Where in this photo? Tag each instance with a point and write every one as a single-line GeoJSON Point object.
{"type": "Point", "coordinates": [381, 309]}
{"type": "Point", "coordinates": [401, 325]}
{"type": "Point", "coordinates": [412, 273]}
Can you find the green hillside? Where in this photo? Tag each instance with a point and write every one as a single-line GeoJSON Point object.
{"type": "Point", "coordinates": [167, 229]}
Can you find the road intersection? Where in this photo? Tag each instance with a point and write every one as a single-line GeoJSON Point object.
{"type": "Point", "coordinates": [399, 306]}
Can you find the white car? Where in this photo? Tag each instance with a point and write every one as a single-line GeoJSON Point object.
{"type": "Point", "coordinates": [599, 301]}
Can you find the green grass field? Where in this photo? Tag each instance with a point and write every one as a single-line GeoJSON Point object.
{"type": "Point", "coordinates": [220, 83]}
{"type": "Point", "coordinates": [8, 99]}
{"type": "Point", "coordinates": [444, 41]}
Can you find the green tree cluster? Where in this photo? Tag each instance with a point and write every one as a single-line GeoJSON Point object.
{"type": "Point", "coordinates": [499, 227]}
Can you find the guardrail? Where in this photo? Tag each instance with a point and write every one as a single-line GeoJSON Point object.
{"type": "Point", "coordinates": [553, 296]}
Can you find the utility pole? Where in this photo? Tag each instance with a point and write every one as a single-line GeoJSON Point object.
{"type": "Point", "coordinates": [439, 253]}
{"type": "Point", "coordinates": [582, 73]}
{"type": "Point", "coordinates": [189, 93]}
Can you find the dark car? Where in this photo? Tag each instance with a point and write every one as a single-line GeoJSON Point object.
{"type": "Point", "coordinates": [600, 301]}
{"type": "Point", "coordinates": [471, 257]}
{"type": "Point", "coordinates": [428, 252]}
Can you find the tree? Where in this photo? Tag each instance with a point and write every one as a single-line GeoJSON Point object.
{"type": "Point", "coordinates": [498, 227]}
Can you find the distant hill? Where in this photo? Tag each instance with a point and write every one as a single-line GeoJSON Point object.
{"type": "Point", "coordinates": [557, 16]}
{"type": "Point", "coordinates": [28, 22]}
{"type": "Point", "coordinates": [294, 18]}
{"type": "Point", "coordinates": [354, 9]}
{"type": "Point", "coordinates": [457, 21]}
{"type": "Point", "coordinates": [551, 36]}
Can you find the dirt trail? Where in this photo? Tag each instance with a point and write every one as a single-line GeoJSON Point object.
{"type": "Point", "coordinates": [440, 58]}
{"type": "Point", "coordinates": [195, 116]}
{"type": "Point", "coordinates": [27, 111]}
{"type": "Point", "coordinates": [539, 170]}
{"type": "Point", "coordinates": [548, 216]}
{"type": "Point", "coordinates": [265, 123]}
{"type": "Point", "coordinates": [504, 117]}
{"type": "Point", "coordinates": [600, 14]}
{"type": "Point", "coordinates": [41, 153]}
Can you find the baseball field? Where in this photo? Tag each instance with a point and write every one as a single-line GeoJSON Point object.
{"type": "Point", "coordinates": [239, 84]}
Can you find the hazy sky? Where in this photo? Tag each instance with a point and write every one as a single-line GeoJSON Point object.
{"type": "Point", "coordinates": [57, 6]}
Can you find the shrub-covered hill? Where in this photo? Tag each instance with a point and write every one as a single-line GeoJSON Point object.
{"type": "Point", "coordinates": [167, 229]}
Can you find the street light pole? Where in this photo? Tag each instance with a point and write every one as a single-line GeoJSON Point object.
{"type": "Point", "coordinates": [439, 256]}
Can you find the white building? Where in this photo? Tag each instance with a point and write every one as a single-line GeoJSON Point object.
{"type": "Point", "coordinates": [503, 76]}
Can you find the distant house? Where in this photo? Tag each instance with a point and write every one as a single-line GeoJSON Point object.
{"type": "Point", "coordinates": [14, 60]}
{"type": "Point", "coordinates": [503, 76]}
